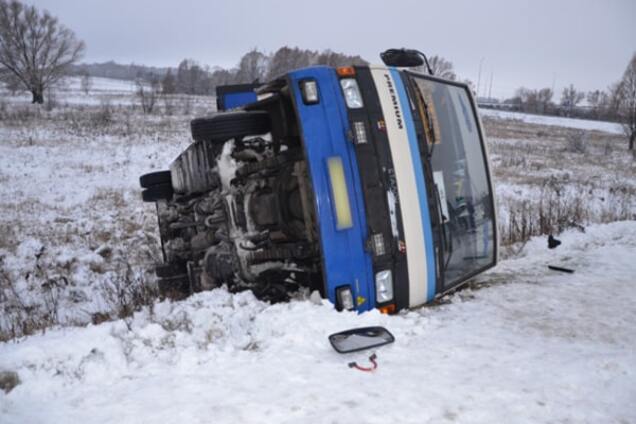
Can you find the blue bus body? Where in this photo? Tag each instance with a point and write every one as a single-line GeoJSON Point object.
{"type": "Point", "coordinates": [347, 259]}
{"type": "Point", "coordinates": [324, 127]}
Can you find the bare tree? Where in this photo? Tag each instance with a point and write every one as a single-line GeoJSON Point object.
{"type": "Point", "coordinates": [35, 47]}
{"type": "Point", "coordinates": [12, 83]}
{"type": "Point", "coordinates": [287, 58]}
{"type": "Point", "coordinates": [615, 100]}
{"type": "Point", "coordinates": [442, 68]}
{"type": "Point", "coordinates": [252, 67]}
{"type": "Point", "coordinates": [86, 82]}
{"type": "Point", "coordinates": [148, 93]}
{"type": "Point", "coordinates": [331, 58]}
{"type": "Point", "coordinates": [626, 101]}
{"type": "Point", "coordinates": [570, 98]}
{"type": "Point", "coordinates": [192, 78]}
{"type": "Point", "coordinates": [222, 77]}
{"type": "Point", "coordinates": [544, 100]}
{"type": "Point", "coordinates": [599, 103]}
{"type": "Point", "coordinates": [522, 98]}
{"type": "Point", "coordinates": [534, 101]}
{"type": "Point", "coordinates": [169, 83]}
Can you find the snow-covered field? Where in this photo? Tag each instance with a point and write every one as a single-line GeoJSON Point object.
{"type": "Point", "coordinates": [522, 344]}
{"type": "Point", "coordinates": [534, 346]}
{"type": "Point", "coordinates": [69, 91]}
{"type": "Point", "coordinates": [98, 92]}
{"type": "Point", "coordinates": [556, 121]}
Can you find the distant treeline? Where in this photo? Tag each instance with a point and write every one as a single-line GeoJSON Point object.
{"type": "Point", "coordinates": [117, 71]}
{"type": "Point", "coordinates": [191, 77]}
{"type": "Point", "coordinates": [599, 105]}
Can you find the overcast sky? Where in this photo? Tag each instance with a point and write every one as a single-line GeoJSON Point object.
{"type": "Point", "coordinates": [538, 43]}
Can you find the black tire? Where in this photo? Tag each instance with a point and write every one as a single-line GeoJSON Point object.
{"type": "Point", "coordinates": [155, 178]}
{"type": "Point", "coordinates": [157, 192]}
{"type": "Point", "coordinates": [222, 127]}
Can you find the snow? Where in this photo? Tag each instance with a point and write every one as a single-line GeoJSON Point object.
{"type": "Point", "coordinates": [68, 91]}
{"type": "Point", "coordinates": [73, 190]}
{"type": "Point", "coordinates": [582, 124]}
{"type": "Point", "coordinates": [532, 344]}
{"type": "Point", "coordinates": [108, 85]}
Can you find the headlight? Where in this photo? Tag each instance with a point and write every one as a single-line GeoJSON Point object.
{"type": "Point", "coordinates": [309, 90]}
{"type": "Point", "coordinates": [344, 298]}
{"type": "Point", "coordinates": [384, 286]}
{"type": "Point", "coordinates": [351, 93]}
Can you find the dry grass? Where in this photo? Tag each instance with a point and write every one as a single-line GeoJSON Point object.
{"type": "Point", "coordinates": [552, 178]}
{"type": "Point", "coordinates": [125, 292]}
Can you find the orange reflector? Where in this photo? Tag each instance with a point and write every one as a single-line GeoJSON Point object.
{"type": "Point", "coordinates": [345, 71]}
{"type": "Point", "coordinates": [388, 309]}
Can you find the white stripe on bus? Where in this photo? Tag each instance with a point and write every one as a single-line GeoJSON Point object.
{"type": "Point", "coordinates": [406, 184]}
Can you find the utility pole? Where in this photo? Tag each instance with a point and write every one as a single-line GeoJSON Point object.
{"type": "Point", "coordinates": [490, 87]}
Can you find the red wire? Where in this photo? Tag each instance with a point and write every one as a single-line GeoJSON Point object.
{"type": "Point", "coordinates": [365, 369]}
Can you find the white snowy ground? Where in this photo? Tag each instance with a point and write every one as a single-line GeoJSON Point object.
{"type": "Point", "coordinates": [68, 90]}
{"type": "Point", "coordinates": [114, 92]}
{"type": "Point", "coordinates": [534, 346]}
{"type": "Point", "coordinates": [581, 124]}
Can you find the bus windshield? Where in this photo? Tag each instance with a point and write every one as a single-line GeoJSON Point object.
{"type": "Point", "coordinates": [460, 174]}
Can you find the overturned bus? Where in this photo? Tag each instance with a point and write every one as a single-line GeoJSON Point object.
{"type": "Point", "coordinates": [370, 184]}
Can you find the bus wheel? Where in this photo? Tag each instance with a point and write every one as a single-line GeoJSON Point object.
{"type": "Point", "coordinates": [154, 178]}
{"type": "Point", "coordinates": [222, 127]}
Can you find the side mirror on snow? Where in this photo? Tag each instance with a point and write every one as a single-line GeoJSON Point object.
{"type": "Point", "coordinates": [360, 338]}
